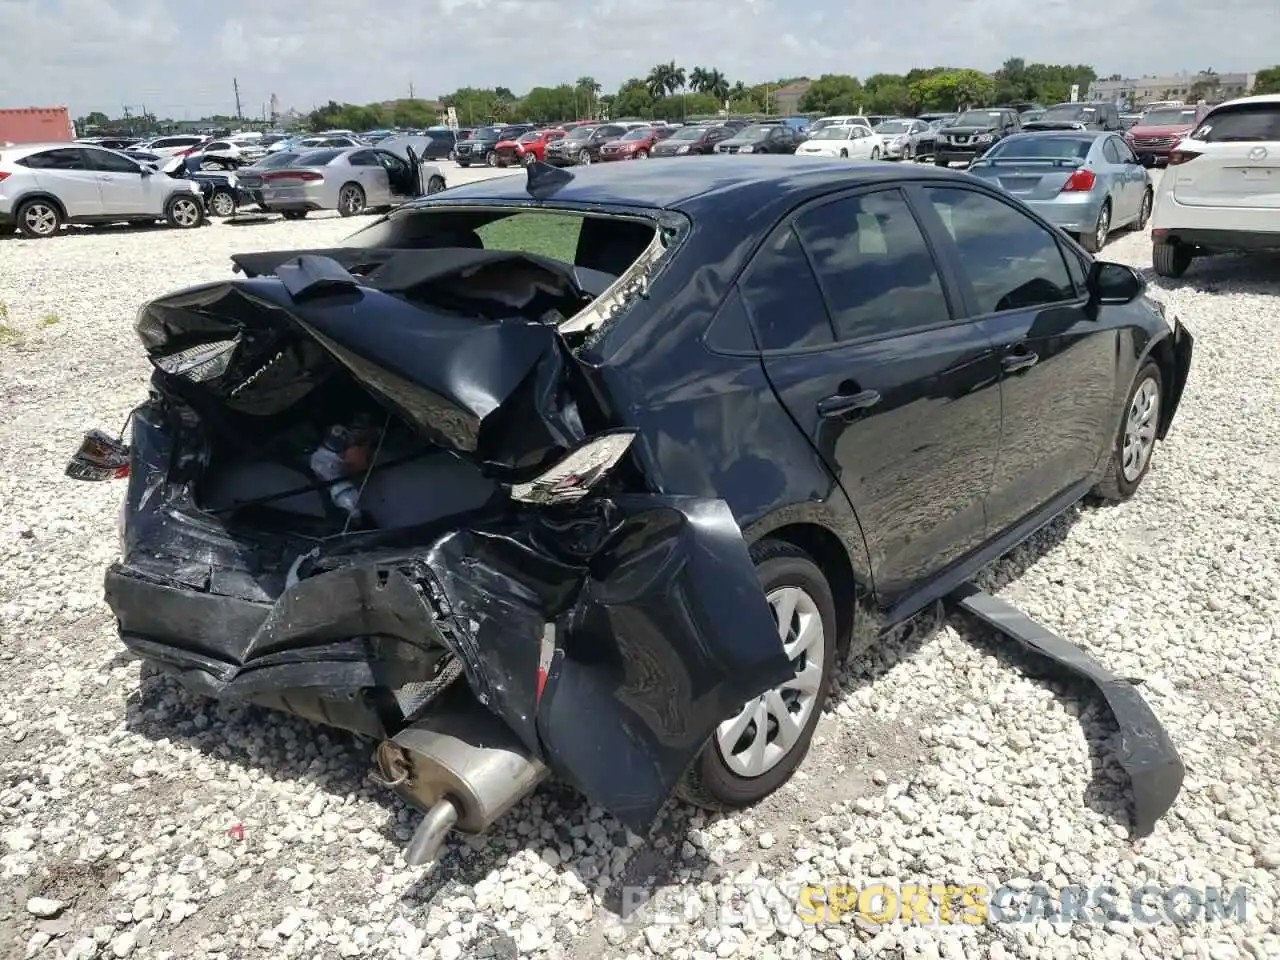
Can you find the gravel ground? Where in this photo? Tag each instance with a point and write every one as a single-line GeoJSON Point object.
{"type": "Point", "coordinates": [138, 820]}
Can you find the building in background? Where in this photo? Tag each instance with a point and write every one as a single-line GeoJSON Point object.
{"type": "Point", "coordinates": [1134, 92]}
{"type": "Point", "coordinates": [786, 100]}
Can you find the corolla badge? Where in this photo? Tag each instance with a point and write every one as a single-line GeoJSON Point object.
{"type": "Point", "coordinates": [1258, 153]}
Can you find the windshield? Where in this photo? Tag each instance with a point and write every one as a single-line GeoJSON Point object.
{"type": "Point", "coordinates": [756, 131]}
{"type": "Point", "coordinates": [640, 133]}
{"type": "Point", "coordinates": [281, 159]}
{"type": "Point", "coordinates": [1246, 123]}
{"type": "Point", "coordinates": [532, 137]}
{"type": "Point", "coordinates": [978, 118]}
{"type": "Point", "coordinates": [1169, 117]}
{"type": "Point", "coordinates": [831, 133]}
{"type": "Point", "coordinates": [485, 133]}
{"type": "Point", "coordinates": [894, 126]}
{"type": "Point", "coordinates": [1041, 148]}
{"type": "Point", "coordinates": [689, 133]}
{"type": "Point", "coordinates": [316, 158]}
{"type": "Point", "coordinates": [1069, 111]}
{"type": "Point", "coordinates": [580, 133]}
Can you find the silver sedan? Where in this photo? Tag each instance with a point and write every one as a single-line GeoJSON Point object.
{"type": "Point", "coordinates": [352, 180]}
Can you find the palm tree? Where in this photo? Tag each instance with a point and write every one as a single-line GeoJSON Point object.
{"type": "Point", "coordinates": [588, 88]}
{"type": "Point", "coordinates": [675, 77]}
{"type": "Point", "coordinates": [717, 85]}
{"type": "Point", "coordinates": [659, 80]}
{"type": "Point", "coordinates": [698, 79]}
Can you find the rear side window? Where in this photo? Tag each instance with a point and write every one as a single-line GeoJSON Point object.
{"type": "Point", "coordinates": [1110, 152]}
{"type": "Point", "coordinates": [1244, 123]}
{"type": "Point", "coordinates": [782, 297]}
{"type": "Point", "coordinates": [363, 158]}
{"type": "Point", "coordinates": [874, 266]}
{"type": "Point", "coordinates": [65, 158]}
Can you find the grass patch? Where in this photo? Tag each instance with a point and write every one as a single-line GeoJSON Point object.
{"type": "Point", "coordinates": [9, 335]}
{"type": "Point", "coordinates": [4, 311]}
{"type": "Point", "coordinates": [49, 319]}
{"type": "Point", "coordinates": [545, 234]}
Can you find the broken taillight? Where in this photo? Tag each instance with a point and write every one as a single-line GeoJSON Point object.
{"type": "Point", "coordinates": [1081, 181]}
{"type": "Point", "coordinates": [581, 469]}
{"type": "Point", "coordinates": [100, 457]}
{"type": "Point", "coordinates": [1182, 156]}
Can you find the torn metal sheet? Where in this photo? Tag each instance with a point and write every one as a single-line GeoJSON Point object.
{"type": "Point", "coordinates": [1145, 751]}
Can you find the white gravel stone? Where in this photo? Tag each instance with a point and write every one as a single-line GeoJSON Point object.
{"type": "Point", "coordinates": [941, 758]}
{"type": "Point", "coordinates": [44, 907]}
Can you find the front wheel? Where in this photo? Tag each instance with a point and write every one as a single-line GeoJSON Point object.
{"type": "Point", "coordinates": [875, 153]}
{"type": "Point", "coordinates": [908, 152]}
{"type": "Point", "coordinates": [1136, 439]}
{"type": "Point", "coordinates": [939, 162]}
{"type": "Point", "coordinates": [642, 155]}
{"type": "Point", "coordinates": [844, 154]}
{"type": "Point", "coordinates": [584, 157]}
{"type": "Point", "coordinates": [294, 214]}
{"type": "Point", "coordinates": [1170, 259]}
{"type": "Point", "coordinates": [222, 203]}
{"type": "Point", "coordinates": [351, 200]}
{"type": "Point", "coordinates": [754, 752]}
{"type": "Point", "coordinates": [491, 159]}
{"type": "Point", "coordinates": [1096, 239]}
{"type": "Point", "coordinates": [184, 212]}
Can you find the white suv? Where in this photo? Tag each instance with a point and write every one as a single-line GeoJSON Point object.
{"type": "Point", "coordinates": [1221, 190]}
{"type": "Point", "coordinates": [45, 185]}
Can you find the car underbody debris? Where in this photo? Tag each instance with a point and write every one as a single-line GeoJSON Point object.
{"type": "Point", "coordinates": [1144, 749]}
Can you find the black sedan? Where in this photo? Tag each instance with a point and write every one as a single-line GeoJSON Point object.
{"type": "Point", "coordinates": [606, 499]}
{"type": "Point", "coordinates": [762, 138]}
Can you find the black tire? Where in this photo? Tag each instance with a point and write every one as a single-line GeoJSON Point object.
{"type": "Point", "coordinates": [584, 157]}
{"type": "Point", "coordinates": [184, 212]}
{"type": "Point", "coordinates": [709, 783]}
{"type": "Point", "coordinates": [1170, 259]}
{"type": "Point", "coordinates": [1144, 212]}
{"type": "Point", "coordinates": [294, 214]}
{"type": "Point", "coordinates": [1097, 238]}
{"type": "Point", "coordinates": [435, 185]}
{"type": "Point", "coordinates": [875, 153]}
{"type": "Point", "coordinates": [491, 159]}
{"type": "Point", "coordinates": [463, 164]}
{"type": "Point", "coordinates": [844, 154]}
{"type": "Point", "coordinates": [908, 153]}
{"type": "Point", "coordinates": [529, 159]}
{"type": "Point", "coordinates": [1114, 486]}
{"type": "Point", "coordinates": [641, 154]}
{"type": "Point", "coordinates": [222, 203]}
{"type": "Point", "coordinates": [351, 200]}
{"type": "Point", "coordinates": [39, 218]}
{"type": "Point", "coordinates": [939, 162]}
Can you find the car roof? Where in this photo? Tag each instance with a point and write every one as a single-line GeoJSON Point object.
{"type": "Point", "coordinates": [697, 183]}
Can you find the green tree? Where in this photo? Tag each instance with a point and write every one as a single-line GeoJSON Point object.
{"type": "Point", "coordinates": [1267, 81]}
{"type": "Point", "coordinates": [634, 99]}
{"type": "Point", "coordinates": [887, 93]}
{"type": "Point", "coordinates": [1206, 85]}
{"type": "Point", "coordinates": [953, 90]}
{"type": "Point", "coordinates": [413, 113]}
{"type": "Point", "coordinates": [683, 106]}
{"type": "Point", "coordinates": [587, 90]}
{"type": "Point", "coordinates": [833, 93]}
{"type": "Point", "coordinates": [709, 80]}
{"type": "Point", "coordinates": [550, 104]}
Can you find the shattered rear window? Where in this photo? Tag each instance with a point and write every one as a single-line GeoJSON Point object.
{"type": "Point", "coordinates": [546, 234]}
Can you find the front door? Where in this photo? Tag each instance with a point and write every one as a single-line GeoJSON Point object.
{"type": "Point", "coordinates": [373, 178]}
{"type": "Point", "coordinates": [65, 173]}
{"type": "Point", "coordinates": [1058, 364]}
{"type": "Point", "coordinates": [901, 401]}
{"type": "Point", "coordinates": [123, 188]}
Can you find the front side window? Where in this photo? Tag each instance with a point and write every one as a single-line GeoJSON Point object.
{"type": "Point", "coordinates": [876, 271]}
{"type": "Point", "coordinates": [1010, 260]}
{"type": "Point", "coordinates": [110, 162]}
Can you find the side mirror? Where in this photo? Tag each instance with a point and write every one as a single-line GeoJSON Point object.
{"type": "Point", "coordinates": [146, 171]}
{"type": "Point", "coordinates": [1114, 283]}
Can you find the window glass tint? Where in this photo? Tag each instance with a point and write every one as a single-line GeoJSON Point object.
{"type": "Point", "coordinates": [1110, 152]}
{"type": "Point", "coordinates": [109, 162]}
{"type": "Point", "coordinates": [217, 145]}
{"type": "Point", "coordinates": [62, 159]}
{"type": "Point", "coordinates": [1010, 260]}
{"type": "Point", "coordinates": [1246, 123]}
{"type": "Point", "coordinates": [316, 158]}
{"type": "Point", "coordinates": [874, 266]}
{"type": "Point", "coordinates": [363, 158]}
{"type": "Point", "coordinates": [783, 298]}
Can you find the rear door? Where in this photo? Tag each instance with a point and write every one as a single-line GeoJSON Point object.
{"type": "Point", "coordinates": [65, 173]}
{"type": "Point", "coordinates": [857, 331]}
{"type": "Point", "coordinates": [1234, 159]}
{"type": "Point", "coordinates": [1126, 194]}
{"type": "Point", "coordinates": [1058, 365]}
{"type": "Point", "coordinates": [373, 177]}
{"type": "Point", "coordinates": [123, 188]}
{"type": "Point", "coordinates": [1134, 172]}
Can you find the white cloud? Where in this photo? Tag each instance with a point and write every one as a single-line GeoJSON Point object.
{"type": "Point", "coordinates": [179, 58]}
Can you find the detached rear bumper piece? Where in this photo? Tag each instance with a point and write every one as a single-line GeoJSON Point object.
{"type": "Point", "coordinates": [1145, 751]}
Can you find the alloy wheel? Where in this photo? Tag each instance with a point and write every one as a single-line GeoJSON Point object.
{"type": "Point", "coordinates": [351, 202]}
{"type": "Point", "coordinates": [222, 204]}
{"type": "Point", "coordinates": [1103, 226]}
{"type": "Point", "coordinates": [769, 726]}
{"type": "Point", "coordinates": [41, 219]}
{"type": "Point", "coordinates": [584, 158]}
{"type": "Point", "coordinates": [186, 213]}
{"type": "Point", "coordinates": [1140, 429]}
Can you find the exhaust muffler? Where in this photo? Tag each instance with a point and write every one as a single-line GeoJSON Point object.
{"type": "Point", "coordinates": [462, 766]}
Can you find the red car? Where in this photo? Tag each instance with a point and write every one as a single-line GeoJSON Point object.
{"type": "Point", "coordinates": [635, 145]}
{"type": "Point", "coordinates": [526, 148]}
{"type": "Point", "coordinates": [1160, 130]}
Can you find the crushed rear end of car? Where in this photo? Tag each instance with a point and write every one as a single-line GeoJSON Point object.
{"type": "Point", "coordinates": [377, 488]}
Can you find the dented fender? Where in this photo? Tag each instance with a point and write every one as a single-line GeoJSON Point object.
{"type": "Point", "coordinates": [656, 636]}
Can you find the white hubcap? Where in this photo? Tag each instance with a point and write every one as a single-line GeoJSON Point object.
{"type": "Point", "coordinates": [768, 727]}
{"type": "Point", "coordinates": [41, 219]}
{"type": "Point", "coordinates": [1140, 429]}
{"type": "Point", "coordinates": [185, 213]}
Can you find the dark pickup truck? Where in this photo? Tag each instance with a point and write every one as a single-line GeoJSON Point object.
{"type": "Point", "coordinates": [1078, 116]}
{"type": "Point", "coordinates": [482, 146]}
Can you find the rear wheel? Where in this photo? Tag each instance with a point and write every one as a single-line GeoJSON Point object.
{"type": "Point", "coordinates": [491, 159]}
{"type": "Point", "coordinates": [844, 154]}
{"type": "Point", "coordinates": [584, 157]}
{"type": "Point", "coordinates": [1136, 439]}
{"type": "Point", "coordinates": [1170, 259]}
{"type": "Point", "coordinates": [184, 212]}
{"type": "Point", "coordinates": [757, 750]}
{"type": "Point", "coordinates": [463, 164]}
{"type": "Point", "coordinates": [908, 153]}
{"type": "Point", "coordinates": [435, 185]}
{"type": "Point", "coordinates": [294, 214]}
{"type": "Point", "coordinates": [1144, 211]}
{"type": "Point", "coordinates": [875, 153]}
{"type": "Point", "coordinates": [529, 159]}
{"type": "Point", "coordinates": [642, 154]}
{"type": "Point", "coordinates": [939, 162]}
{"type": "Point", "coordinates": [351, 200]}
{"type": "Point", "coordinates": [39, 218]}
{"type": "Point", "coordinates": [1096, 239]}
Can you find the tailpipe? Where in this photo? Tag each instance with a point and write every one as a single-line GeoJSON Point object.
{"type": "Point", "coordinates": [463, 767]}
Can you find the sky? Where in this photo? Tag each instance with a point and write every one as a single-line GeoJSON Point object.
{"type": "Point", "coordinates": [179, 58]}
